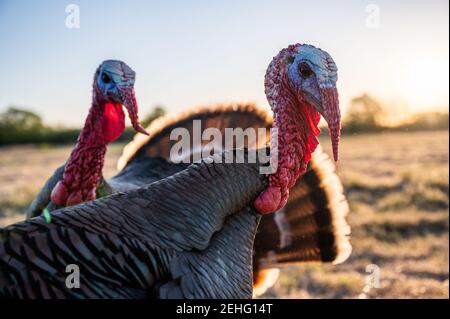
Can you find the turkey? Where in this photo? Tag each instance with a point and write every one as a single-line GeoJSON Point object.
{"type": "Point", "coordinates": [312, 226]}
{"type": "Point", "coordinates": [77, 180]}
{"type": "Point", "coordinates": [300, 82]}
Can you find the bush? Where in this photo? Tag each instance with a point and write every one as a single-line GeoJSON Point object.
{"type": "Point", "coordinates": [365, 114]}
{"type": "Point", "coordinates": [19, 126]}
{"type": "Point", "coordinates": [428, 121]}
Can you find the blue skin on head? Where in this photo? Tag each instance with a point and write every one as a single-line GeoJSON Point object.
{"type": "Point", "coordinates": [323, 75]}
{"type": "Point", "coordinates": [114, 76]}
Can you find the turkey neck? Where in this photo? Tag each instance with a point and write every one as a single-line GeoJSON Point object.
{"type": "Point", "coordinates": [297, 132]}
{"type": "Point", "coordinates": [83, 171]}
{"type": "Point", "coordinates": [296, 123]}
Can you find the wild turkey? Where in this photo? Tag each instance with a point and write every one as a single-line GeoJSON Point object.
{"type": "Point", "coordinates": [77, 180]}
{"type": "Point", "coordinates": [312, 226]}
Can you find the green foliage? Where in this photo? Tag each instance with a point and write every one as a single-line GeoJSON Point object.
{"type": "Point", "coordinates": [365, 114]}
{"type": "Point", "coordinates": [17, 119]}
{"type": "Point", "coordinates": [19, 126]}
{"type": "Point", "coordinates": [153, 115]}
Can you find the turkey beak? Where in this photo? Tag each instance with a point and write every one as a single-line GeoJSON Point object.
{"type": "Point", "coordinates": [332, 115]}
{"type": "Point", "coordinates": [129, 101]}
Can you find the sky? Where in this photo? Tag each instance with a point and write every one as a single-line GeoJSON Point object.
{"type": "Point", "coordinates": [195, 53]}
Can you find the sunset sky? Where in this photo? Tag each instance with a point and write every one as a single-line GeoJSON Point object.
{"type": "Point", "coordinates": [189, 53]}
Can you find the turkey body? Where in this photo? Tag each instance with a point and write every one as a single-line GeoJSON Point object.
{"type": "Point", "coordinates": [154, 241]}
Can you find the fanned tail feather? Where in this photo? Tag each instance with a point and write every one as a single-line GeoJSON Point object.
{"type": "Point", "coordinates": [159, 144]}
{"type": "Point", "coordinates": [311, 228]}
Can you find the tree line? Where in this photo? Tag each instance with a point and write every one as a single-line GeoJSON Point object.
{"type": "Point", "coordinates": [20, 126]}
{"type": "Point", "coordinates": [365, 114]}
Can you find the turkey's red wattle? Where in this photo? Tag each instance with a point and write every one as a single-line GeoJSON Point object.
{"type": "Point", "coordinates": [268, 200]}
{"type": "Point", "coordinates": [84, 167]}
{"type": "Point", "coordinates": [59, 194]}
{"type": "Point", "coordinates": [113, 121]}
{"type": "Point", "coordinates": [297, 139]}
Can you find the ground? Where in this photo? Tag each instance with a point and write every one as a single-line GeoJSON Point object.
{"type": "Point", "coordinates": [397, 187]}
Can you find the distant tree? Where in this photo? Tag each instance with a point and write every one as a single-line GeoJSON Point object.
{"type": "Point", "coordinates": [20, 126]}
{"type": "Point", "coordinates": [427, 121]}
{"type": "Point", "coordinates": [364, 114]}
{"type": "Point", "coordinates": [157, 111]}
{"type": "Point", "coordinates": [20, 120]}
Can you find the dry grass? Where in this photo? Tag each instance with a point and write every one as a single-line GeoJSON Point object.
{"type": "Point", "coordinates": [397, 186]}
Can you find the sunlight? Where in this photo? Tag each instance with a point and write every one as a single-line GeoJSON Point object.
{"type": "Point", "coordinates": [423, 83]}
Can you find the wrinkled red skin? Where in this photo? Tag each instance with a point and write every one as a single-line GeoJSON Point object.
{"type": "Point", "coordinates": [297, 139]}
{"type": "Point", "coordinates": [296, 121]}
{"type": "Point", "coordinates": [104, 124]}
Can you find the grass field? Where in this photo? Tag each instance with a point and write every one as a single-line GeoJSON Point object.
{"type": "Point", "coordinates": [397, 187]}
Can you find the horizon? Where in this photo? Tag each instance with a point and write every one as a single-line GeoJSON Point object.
{"type": "Point", "coordinates": [202, 53]}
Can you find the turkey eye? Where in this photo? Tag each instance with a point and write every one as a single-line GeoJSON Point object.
{"type": "Point", "coordinates": [106, 78]}
{"type": "Point", "coordinates": [305, 70]}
